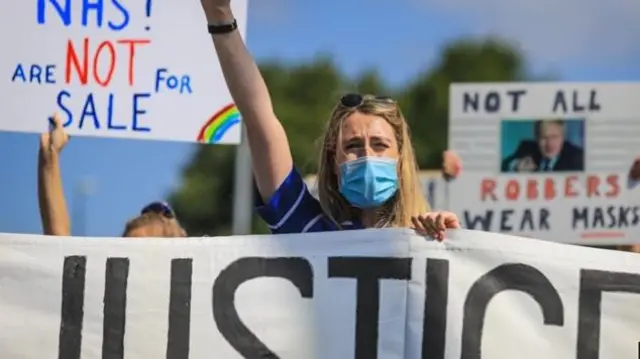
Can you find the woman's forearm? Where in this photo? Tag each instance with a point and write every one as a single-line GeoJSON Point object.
{"type": "Point", "coordinates": [272, 160]}
{"type": "Point", "coordinates": [53, 207]}
{"type": "Point", "coordinates": [245, 83]}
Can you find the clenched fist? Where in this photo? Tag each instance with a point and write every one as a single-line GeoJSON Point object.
{"type": "Point", "coordinates": [56, 138]}
{"type": "Point", "coordinates": [451, 164]}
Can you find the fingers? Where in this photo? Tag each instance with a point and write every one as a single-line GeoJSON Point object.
{"type": "Point", "coordinates": [450, 220]}
{"type": "Point", "coordinates": [430, 223]}
{"type": "Point", "coordinates": [56, 121]}
{"type": "Point", "coordinates": [434, 224]}
{"type": "Point", "coordinates": [418, 226]}
{"type": "Point", "coordinates": [56, 138]}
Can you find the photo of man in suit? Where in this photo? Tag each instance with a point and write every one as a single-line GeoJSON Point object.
{"type": "Point", "coordinates": [549, 152]}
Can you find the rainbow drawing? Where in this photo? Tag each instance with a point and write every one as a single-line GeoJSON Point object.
{"type": "Point", "coordinates": [219, 124]}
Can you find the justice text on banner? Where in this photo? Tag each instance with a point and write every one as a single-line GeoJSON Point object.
{"type": "Point", "coordinates": [352, 294]}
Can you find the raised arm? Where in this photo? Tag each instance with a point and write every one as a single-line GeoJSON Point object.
{"type": "Point", "coordinates": [268, 141]}
{"type": "Point", "coordinates": [53, 207]}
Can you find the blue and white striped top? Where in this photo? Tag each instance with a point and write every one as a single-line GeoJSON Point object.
{"type": "Point", "coordinates": [292, 209]}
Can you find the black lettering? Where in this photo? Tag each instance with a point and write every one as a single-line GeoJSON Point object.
{"type": "Point", "coordinates": [616, 217]}
{"type": "Point", "coordinates": [492, 102]}
{"type": "Point", "coordinates": [115, 305]}
{"type": "Point", "coordinates": [577, 107]}
{"type": "Point", "coordinates": [559, 101]}
{"type": "Point", "coordinates": [296, 270]}
{"type": "Point", "coordinates": [179, 309]}
{"type": "Point", "coordinates": [527, 220]}
{"type": "Point", "coordinates": [598, 218]}
{"type": "Point", "coordinates": [544, 219]}
{"type": "Point", "coordinates": [612, 215]}
{"type": "Point", "coordinates": [628, 216]}
{"type": "Point", "coordinates": [592, 284]}
{"type": "Point", "coordinates": [480, 221]}
{"type": "Point", "coordinates": [513, 276]}
{"type": "Point", "coordinates": [434, 325]}
{"type": "Point", "coordinates": [470, 100]}
{"type": "Point", "coordinates": [368, 272]}
{"type": "Point", "coordinates": [623, 216]}
{"type": "Point", "coordinates": [515, 98]}
{"type": "Point", "coordinates": [72, 308]}
{"type": "Point", "coordinates": [504, 221]}
{"type": "Point", "coordinates": [594, 105]}
{"type": "Point", "coordinates": [580, 218]}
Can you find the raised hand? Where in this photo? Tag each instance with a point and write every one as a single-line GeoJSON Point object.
{"type": "Point", "coordinates": [451, 164]}
{"type": "Point", "coordinates": [56, 138]}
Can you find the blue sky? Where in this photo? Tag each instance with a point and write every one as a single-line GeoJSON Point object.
{"type": "Point", "coordinates": [581, 40]}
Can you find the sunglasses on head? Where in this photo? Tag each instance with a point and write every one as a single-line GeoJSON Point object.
{"type": "Point", "coordinates": [160, 208]}
{"type": "Point", "coordinates": [353, 100]}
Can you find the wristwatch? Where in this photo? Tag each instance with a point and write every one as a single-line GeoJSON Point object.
{"type": "Point", "coordinates": [223, 29]}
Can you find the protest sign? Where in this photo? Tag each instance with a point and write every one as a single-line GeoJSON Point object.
{"type": "Point", "coordinates": [353, 294]}
{"type": "Point", "coordinates": [128, 69]}
{"type": "Point", "coordinates": [554, 161]}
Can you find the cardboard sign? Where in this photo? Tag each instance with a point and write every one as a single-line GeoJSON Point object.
{"type": "Point", "coordinates": [554, 161]}
{"type": "Point", "coordinates": [142, 69]}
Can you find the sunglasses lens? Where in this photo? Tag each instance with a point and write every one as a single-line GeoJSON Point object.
{"type": "Point", "coordinates": [351, 100]}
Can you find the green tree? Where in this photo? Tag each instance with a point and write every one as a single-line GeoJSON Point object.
{"type": "Point", "coordinates": [304, 95]}
{"type": "Point", "coordinates": [425, 102]}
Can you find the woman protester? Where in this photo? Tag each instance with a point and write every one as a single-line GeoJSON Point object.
{"type": "Point", "coordinates": [155, 220]}
{"type": "Point", "coordinates": [368, 176]}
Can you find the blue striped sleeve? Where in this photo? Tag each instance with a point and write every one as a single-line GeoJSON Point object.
{"type": "Point", "coordinates": [292, 208]}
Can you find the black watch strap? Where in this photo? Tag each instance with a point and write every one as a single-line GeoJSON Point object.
{"type": "Point", "coordinates": [223, 29]}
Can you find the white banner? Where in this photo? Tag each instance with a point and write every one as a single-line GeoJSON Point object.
{"type": "Point", "coordinates": [352, 294]}
{"type": "Point", "coordinates": [554, 161]}
{"type": "Point", "coordinates": [130, 69]}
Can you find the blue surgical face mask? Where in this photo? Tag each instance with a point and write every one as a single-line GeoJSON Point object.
{"type": "Point", "coordinates": [368, 182]}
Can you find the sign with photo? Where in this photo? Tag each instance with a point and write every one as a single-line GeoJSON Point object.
{"type": "Point", "coordinates": [555, 161]}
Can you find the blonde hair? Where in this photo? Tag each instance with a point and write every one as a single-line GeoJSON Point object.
{"type": "Point", "coordinates": [408, 200]}
{"type": "Point", "coordinates": [169, 226]}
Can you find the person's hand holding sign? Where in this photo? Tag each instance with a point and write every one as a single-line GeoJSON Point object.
{"type": "Point", "coordinates": [53, 207]}
{"type": "Point", "coordinates": [52, 142]}
{"type": "Point", "coordinates": [434, 224]}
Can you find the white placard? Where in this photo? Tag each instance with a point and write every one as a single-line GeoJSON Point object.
{"type": "Point", "coordinates": [352, 294]}
{"type": "Point", "coordinates": [548, 160]}
{"type": "Point", "coordinates": [128, 69]}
